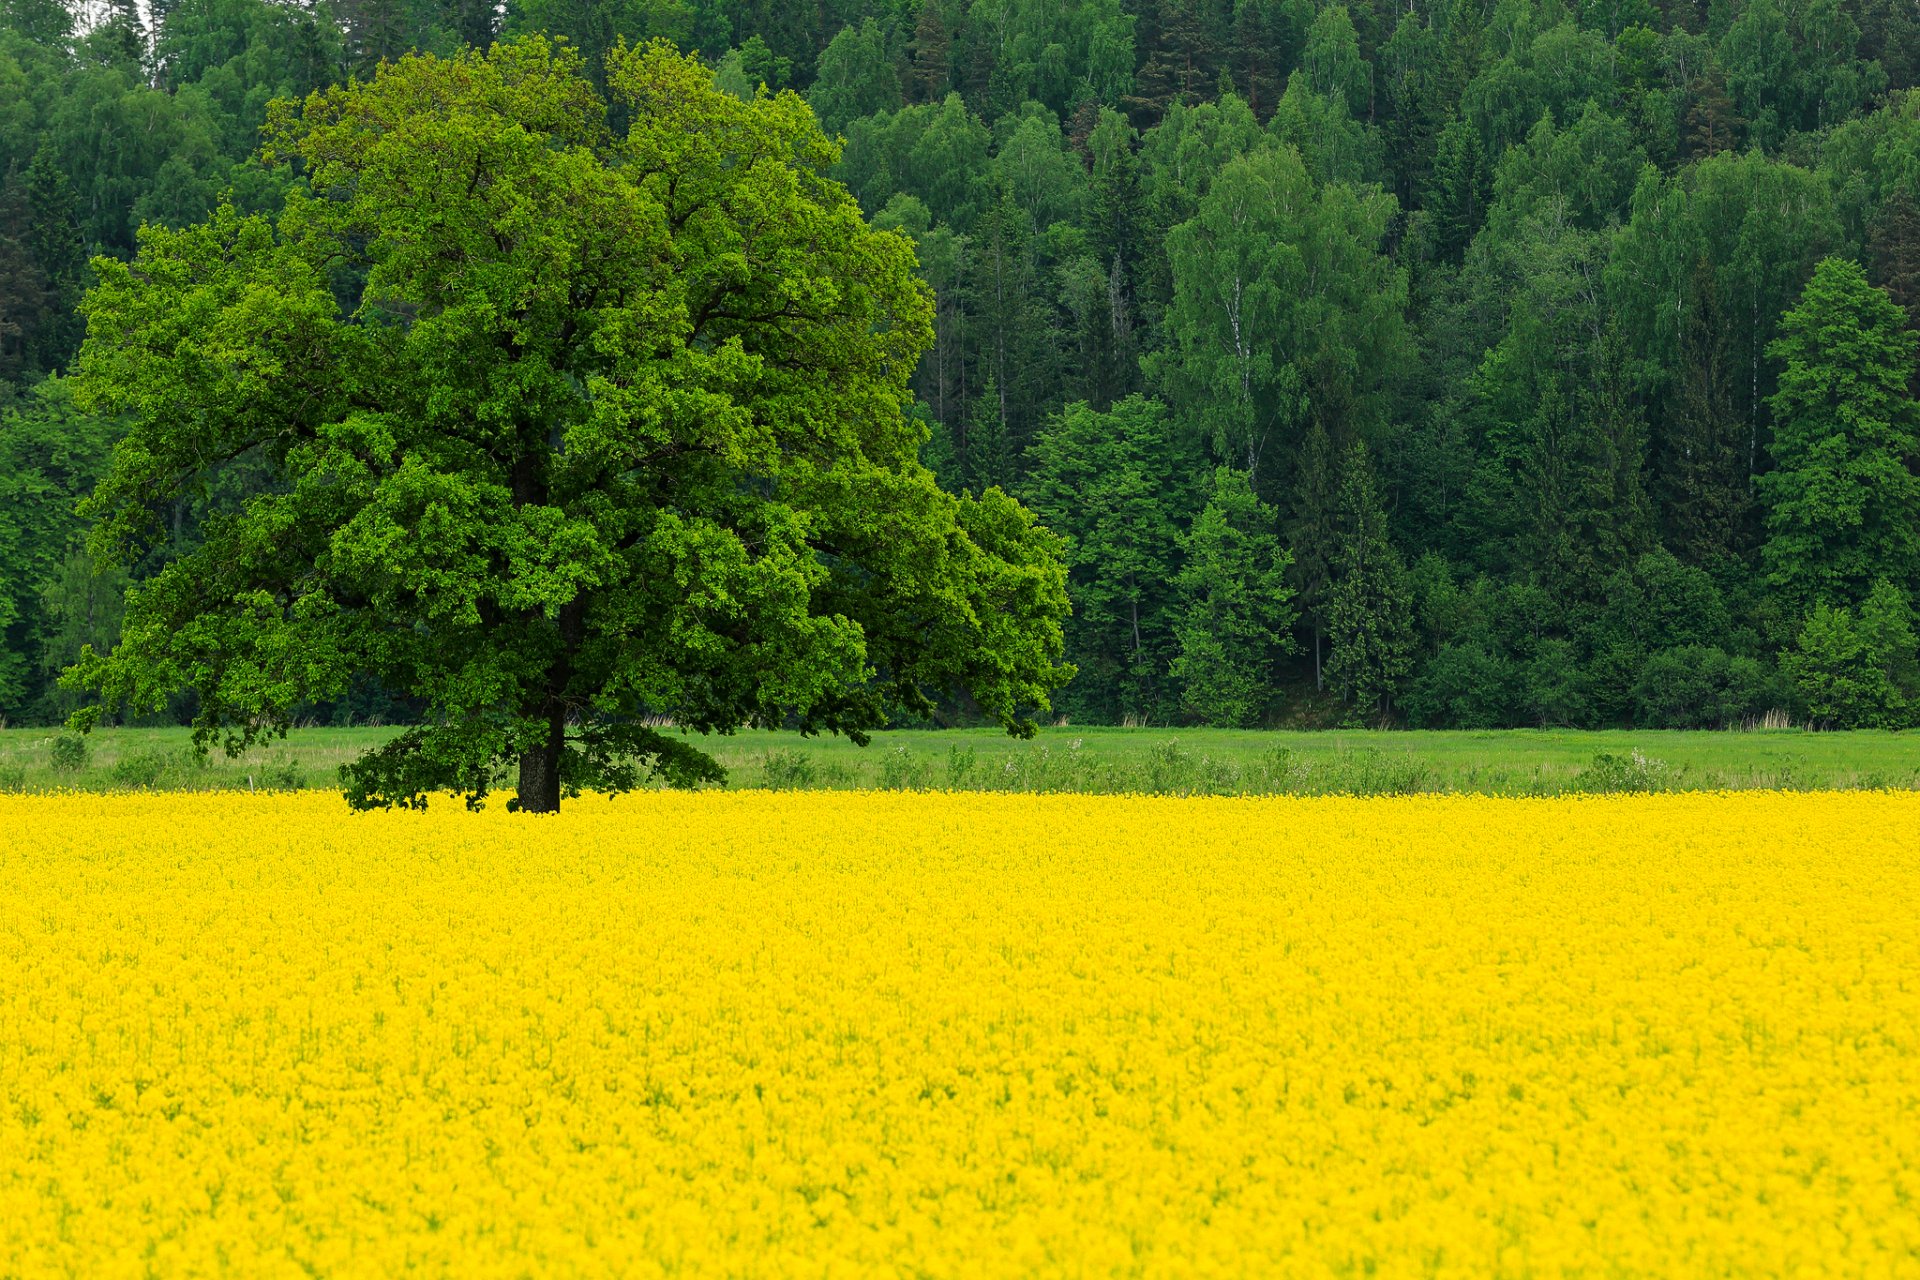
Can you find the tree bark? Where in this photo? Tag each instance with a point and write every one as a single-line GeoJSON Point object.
{"type": "Point", "coordinates": [540, 765]}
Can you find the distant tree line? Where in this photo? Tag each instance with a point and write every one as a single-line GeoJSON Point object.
{"type": "Point", "coordinates": [1455, 363]}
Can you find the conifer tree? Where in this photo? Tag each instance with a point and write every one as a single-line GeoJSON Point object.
{"type": "Point", "coordinates": [1893, 249]}
{"type": "Point", "coordinates": [1369, 604]}
{"type": "Point", "coordinates": [53, 239]}
{"type": "Point", "coordinates": [932, 46]}
{"type": "Point", "coordinates": [1312, 532]}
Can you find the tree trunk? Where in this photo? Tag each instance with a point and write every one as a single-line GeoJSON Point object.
{"type": "Point", "coordinates": [540, 766]}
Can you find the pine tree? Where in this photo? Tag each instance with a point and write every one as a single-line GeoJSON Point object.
{"type": "Point", "coordinates": [1015, 351]}
{"type": "Point", "coordinates": [1369, 604]}
{"type": "Point", "coordinates": [377, 32]}
{"type": "Point", "coordinates": [23, 286]}
{"type": "Point", "coordinates": [1842, 504]}
{"type": "Point", "coordinates": [986, 458]}
{"type": "Point", "coordinates": [1410, 83]}
{"type": "Point", "coordinates": [932, 50]}
{"type": "Point", "coordinates": [1713, 123]}
{"type": "Point", "coordinates": [1182, 46]}
{"type": "Point", "coordinates": [1264, 48]}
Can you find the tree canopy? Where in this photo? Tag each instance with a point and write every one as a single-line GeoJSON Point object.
{"type": "Point", "coordinates": [567, 430]}
{"type": "Point", "coordinates": [1542, 262]}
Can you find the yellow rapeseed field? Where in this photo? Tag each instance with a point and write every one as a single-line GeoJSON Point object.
{"type": "Point", "coordinates": [971, 1036]}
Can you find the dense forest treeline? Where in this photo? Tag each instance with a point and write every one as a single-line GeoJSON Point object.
{"type": "Point", "coordinates": [1453, 363]}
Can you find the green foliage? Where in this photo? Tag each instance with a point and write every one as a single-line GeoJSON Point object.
{"type": "Point", "coordinates": [1369, 604]}
{"type": "Point", "coordinates": [1284, 309]}
{"type": "Point", "coordinates": [855, 78]}
{"type": "Point", "coordinates": [50, 455]}
{"type": "Point", "coordinates": [1838, 674]}
{"type": "Point", "coordinates": [1534, 255]}
{"type": "Point", "coordinates": [644, 453]}
{"type": "Point", "coordinates": [1236, 606]}
{"type": "Point", "coordinates": [1114, 486]}
{"type": "Point", "coordinates": [1694, 686]}
{"type": "Point", "coordinates": [1842, 498]}
{"type": "Point", "coordinates": [69, 753]}
{"type": "Point", "coordinates": [1633, 772]}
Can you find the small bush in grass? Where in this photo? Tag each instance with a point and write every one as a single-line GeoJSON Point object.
{"type": "Point", "coordinates": [961, 762]}
{"type": "Point", "coordinates": [788, 770]}
{"type": "Point", "coordinates": [902, 770]}
{"type": "Point", "coordinates": [282, 774]}
{"type": "Point", "coordinates": [70, 753]}
{"type": "Point", "coordinates": [1631, 772]}
{"type": "Point", "coordinates": [141, 768]}
{"type": "Point", "coordinates": [1170, 768]}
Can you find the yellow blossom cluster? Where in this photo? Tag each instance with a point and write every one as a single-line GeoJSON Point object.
{"type": "Point", "coordinates": [834, 1034]}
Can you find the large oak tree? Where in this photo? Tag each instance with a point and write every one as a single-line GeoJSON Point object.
{"type": "Point", "coordinates": [572, 430]}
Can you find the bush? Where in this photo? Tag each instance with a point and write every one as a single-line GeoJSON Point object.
{"type": "Point", "coordinates": [141, 769]}
{"type": "Point", "coordinates": [1556, 687]}
{"type": "Point", "coordinates": [1170, 768]}
{"type": "Point", "coordinates": [1631, 772]}
{"type": "Point", "coordinates": [1696, 686]}
{"type": "Point", "coordinates": [961, 762]}
{"type": "Point", "coordinates": [1277, 772]}
{"type": "Point", "coordinates": [70, 753]}
{"type": "Point", "coordinates": [1839, 675]}
{"type": "Point", "coordinates": [282, 774]}
{"type": "Point", "coordinates": [901, 770]}
{"type": "Point", "coordinates": [1375, 773]}
{"type": "Point", "coordinates": [788, 770]}
{"type": "Point", "coordinates": [1464, 686]}
{"type": "Point", "coordinates": [1681, 688]}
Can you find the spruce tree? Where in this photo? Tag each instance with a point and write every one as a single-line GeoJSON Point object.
{"type": "Point", "coordinates": [1312, 534]}
{"type": "Point", "coordinates": [1705, 500]}
{"type": "Point", "coordinates": [1893, 250]}
{"type": "Point", "coordinates": [1370, 601]}
{"type": "Point", "coordinates": [53, 238]}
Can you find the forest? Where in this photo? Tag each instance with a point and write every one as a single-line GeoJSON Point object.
{"type": "Point", "coordinates": [1445, 363]}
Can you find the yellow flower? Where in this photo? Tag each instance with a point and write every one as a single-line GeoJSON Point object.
{"type": "Point", "coordinates": [959, 1035]}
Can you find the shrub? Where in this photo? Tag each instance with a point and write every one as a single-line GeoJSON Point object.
{"type": "Point", "coordinates": [1555, 685]}
{"type": "Point", "coordinates": [282, 773]}
{"type": "Point", "coordinates": [1169, 768]}
{"type": "Point", "coordinates": [141, 769]}
{"type": "Point", "coordinates": [1277, 771]}
{"type": "Point", "coordinates": [961, 762]}
{"type": "Point", "coordinates": [788, 770]}
{"type": "Point", "coordinates": [1696, 686]}
{"type": "Point", "coordinates": [70, 753]}
{"type": "Point", "coordinates": [1838, 674]}
{"type": "Point", "coordinates": [901, 770]}
{"type": "Point", "coordinates": [1631, 772]}
{"type": "Point", "coordinates": [1374, 773]}
{"type": "Point", "coordinates": [1464, 686]}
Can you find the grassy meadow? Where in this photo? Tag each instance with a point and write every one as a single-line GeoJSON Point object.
{"type": "Point", "coordinates": [1095, 760]}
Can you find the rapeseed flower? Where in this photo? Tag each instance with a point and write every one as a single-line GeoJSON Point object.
{"type": "Point", "coordinates": [807, 1034]}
